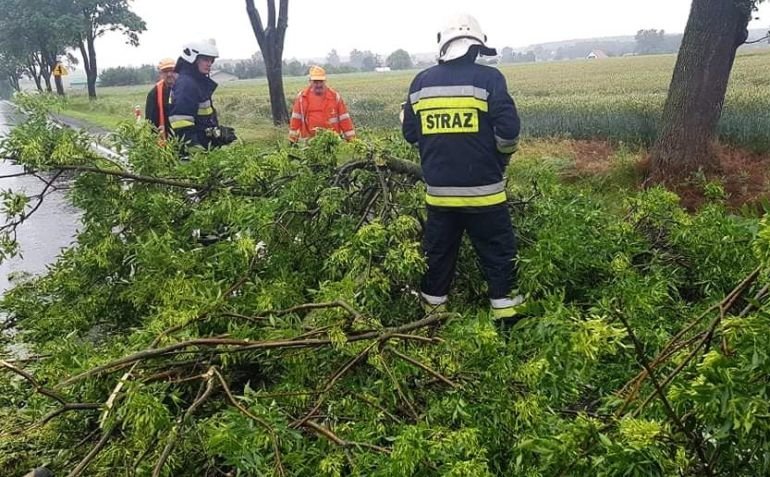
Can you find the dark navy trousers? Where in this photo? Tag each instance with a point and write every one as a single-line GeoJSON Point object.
{"type": "Point", "coordinates": [493, 239]}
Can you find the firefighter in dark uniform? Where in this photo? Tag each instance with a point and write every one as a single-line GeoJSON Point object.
{"type": "Point", "coordinates": [192, 116]}
{"type": "Point", "coordinates": [465, 123]}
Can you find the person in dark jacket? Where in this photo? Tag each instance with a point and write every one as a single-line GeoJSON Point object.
{"type": "Point", "coordinates": [465, 123]}
{"type": "Point", "coordinates": [156, 107]}
{"type": "Point", "coordinates": [192, 115]}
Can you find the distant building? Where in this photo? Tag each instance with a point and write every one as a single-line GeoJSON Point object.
{"type": "Point", "coordinates": [221, 77]}
{"type": "Point", "coordinates": [597, 55]}
{"type": "Point", "coordinates": [76, 80]}
{"type": "Point", "coordinates": [382, 69]}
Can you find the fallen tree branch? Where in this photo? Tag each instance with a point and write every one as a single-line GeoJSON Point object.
{"type": "Point", "coordinates": [31, 379]}
{"type": "Point", "coordinates": [83, 465]}
{"type": "Point", "coordinates": [400, 392]}
{"type": "Point", "coordinates": [385, 195]}
{"type": "Point", "coordinates": [18, 174]}
{"type": "Point", "coordinates": [674, 344]}
{"type": "Point", "coordinates": [67, 408]}
{"type": "Point", "coordinates": [402, 166]}
{"type": "Point", "coordinates": [395, 164]}
{"type": "Point", "coordinates": [201, 189]}
{"type": "Point", "coordinates": [311, 306]}
{"type": "Point", "coordinates": [40, 199]}
{"type": "Point", "coordinates": [223, 298]}
{"type": "Point", "coordinates": [328, 434]}
{"type": "Point", "coordinates": [247, 345]}
{"type": "Point", "coordinates": [209, 376]}
{"type": "Point", "coordinates": [133, 177]}
{"type": "Point", "coordinates": [365, 399]}
{"type": "Point", "coordinates": [694, 440]}
{"type": "Point", "coordinates": [266, 425]}
{"type": "Point", "coordinates": [634, 386]}
{"type": "Point", "coordinates": [424, 367]}
{"type": "Point", "coordinates": [346, 168]}
{"type": "Point", "coordinates": [128, 375]}
{"type": "Point", "coordinates": [761, 294]}
{"type": "Point", "coordinates": [335, 377]}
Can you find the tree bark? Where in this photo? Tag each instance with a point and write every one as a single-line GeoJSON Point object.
{"type": "Point", "coordinates": [278, 107]}
{"type": "Point", "coordinates": [88, 52]}
{"type": "Point", "coordinates": [31, 70]}
{"type": "Point", "coordinates": [92, 72]}
{"type": "Point", "coordinates": [270, 40]}
{"type": "Point", "coordinates": [685, 144]}
{"type": "Point", "coordinates": [42, 74]}
{"type": "Point", "coordinates": [14, 82]}
{"type": "Point", "coordinates": [47, 80]}
{"type": "Point", "coordinates": [59, 85]}
{"type": "Point", "coordinates": [47, 62]}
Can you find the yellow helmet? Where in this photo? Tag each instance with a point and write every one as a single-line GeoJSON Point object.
{"type": "Point", "coordinates": [317, 73]}
{"type": "Point", "coordinates": [166, 64]}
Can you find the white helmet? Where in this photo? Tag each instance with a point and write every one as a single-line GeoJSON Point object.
{"type": "Point", "coordinates": [462, 32]}
{"type": "Point", "coordinates": [192, 51]}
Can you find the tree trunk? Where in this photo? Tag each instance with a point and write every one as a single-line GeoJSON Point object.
{"type": "Point", "coordinates": [32, 72]}
{"type": "Point", "coordinates": [93, 73]}
{"type": "Point", "coordinates": [42, 72]}
{"type": "Point", "coordinates": [714, 31]}
{"type": "Point", "coordinates": [46, 69]}
{"type": "Point", "coordinates": [47, 80]}
{"type": "Point", "coordinates": [88, 52]}
{"type": "Point", "coordinates": [59, 85]}
{"type": "Point", "coordinates": [270, 40]}
{"type": "Point", "coordinates": [14, 82]}
{"type": "Point", "coordinates": [278, 107]}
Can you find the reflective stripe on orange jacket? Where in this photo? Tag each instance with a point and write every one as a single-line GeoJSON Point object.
{"type": "Point", "coordinates": [161, 103]}
{"type": "Point", "coordinates": [335, 111]}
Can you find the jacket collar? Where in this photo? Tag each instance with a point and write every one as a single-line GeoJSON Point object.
{"type": "Point", "coordinates": [330, 93]}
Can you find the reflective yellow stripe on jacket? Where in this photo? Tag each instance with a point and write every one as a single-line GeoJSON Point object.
{"type": "Point", "coordinates": [442, 97]}
{"type": "Point", "coordinates": [478, 196]}
{"type": "Point", "coordinates": [181, 121]}
{"type": "Point", "coordinates": [205, 108]}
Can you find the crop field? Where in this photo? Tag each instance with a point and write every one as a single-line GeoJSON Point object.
{"type": "Point", "coordinates": [618, 99]}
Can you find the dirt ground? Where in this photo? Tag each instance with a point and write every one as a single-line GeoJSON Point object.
{"type": "Point", "coordinates": [745, 175]}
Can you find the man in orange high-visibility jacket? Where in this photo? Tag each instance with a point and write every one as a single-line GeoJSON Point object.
{"type": "Point", "coordinates": [319, 107]}
{"type": "Point", "coordinates": [156, 108]}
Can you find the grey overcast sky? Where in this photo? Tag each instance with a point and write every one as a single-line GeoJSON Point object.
{"type": "Point", "coordinates": [317, 26]}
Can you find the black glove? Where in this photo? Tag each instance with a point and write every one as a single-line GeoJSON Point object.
{"type": "Point", "coordinates": [221, 135]}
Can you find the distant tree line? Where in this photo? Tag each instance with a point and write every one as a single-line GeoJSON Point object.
{"type": "Point", "coordinates": [254, 67]}
{"type": "Point", "coordinates": [128, 75]}
{"type": "Point", "coordinates": [645, 42]}
{"type": "Point", "coordinates": [508, 55]}
{"type": "Point", "coordinates": [359, 61]}
{"type": "Point", "coordinates": [653, 42]}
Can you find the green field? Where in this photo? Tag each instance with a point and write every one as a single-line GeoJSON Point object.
{"type": "Point", "coordinates": [618, 99]}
